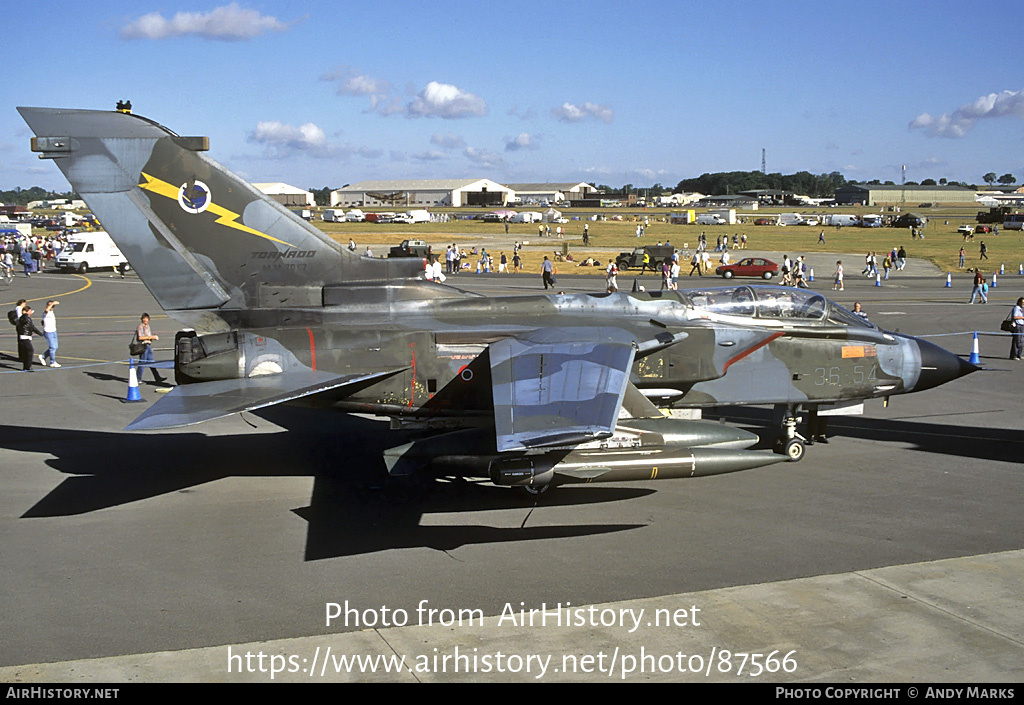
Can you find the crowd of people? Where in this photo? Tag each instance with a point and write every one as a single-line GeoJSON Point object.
{"type": "Point", "coordinates": [31, 253]}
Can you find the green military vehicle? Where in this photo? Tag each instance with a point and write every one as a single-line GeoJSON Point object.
{"type": "Point", "coordinates": [656, 254]}
{"type": "Point", "coordinates": [411, 248]}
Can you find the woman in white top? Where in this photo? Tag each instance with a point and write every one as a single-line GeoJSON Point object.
{"type": "Point", "coordinates": [50, 332]}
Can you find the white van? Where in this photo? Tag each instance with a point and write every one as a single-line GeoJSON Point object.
{"type": "Point", "coordinates": [87, 251]}
{"type": "Point", "coordinates": [711, 219]}
{"type": "Point", "coordinates": [334, 215]}
{"type": "Point", "coordinates": [355, 216]}
{"type": "Point", "coordinates": [836, 219]}
{"type": "Point", "coordinates": [791, 219]}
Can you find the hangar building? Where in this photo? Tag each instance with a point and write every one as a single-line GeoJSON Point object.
{"type": "Point", "coordinates": [876, 195]}
{"type": "Point", "coordinates": [287, 195]}
{"type": "Point", "coordinates": [423, 192]}
{"type": "Point", "coordinates": [552, 192]}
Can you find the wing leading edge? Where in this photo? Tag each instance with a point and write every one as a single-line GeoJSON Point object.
{"type": "Point", "coordinates": [194, 403]}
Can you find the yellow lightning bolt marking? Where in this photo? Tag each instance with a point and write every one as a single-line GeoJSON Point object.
{"type": "Point", "coordinates": [225, 217]}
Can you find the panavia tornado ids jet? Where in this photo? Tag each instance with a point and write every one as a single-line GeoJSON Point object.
{"type": "Point", "coordinates": [529, 391]}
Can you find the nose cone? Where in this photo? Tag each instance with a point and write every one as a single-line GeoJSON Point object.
{"type": "Point", "coordinates": [939, 366]}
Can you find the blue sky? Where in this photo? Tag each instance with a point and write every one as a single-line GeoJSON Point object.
{"type": "Point", "coordinates": [329, 93]}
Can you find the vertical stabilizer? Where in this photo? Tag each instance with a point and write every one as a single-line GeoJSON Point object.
{"type": "Point", "coordinates": [199, 236]}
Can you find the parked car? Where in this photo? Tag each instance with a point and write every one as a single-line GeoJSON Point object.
{"type": "Point", "coordinates": [965, 230]}
{"type": "Point", "coordinates": [764, 221]}
{"type": "Point", "coordinates": [749, 267]}
{"type": "Point", "coordinates": [982, 228]}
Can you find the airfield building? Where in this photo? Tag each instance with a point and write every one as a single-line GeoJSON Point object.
{"type": "Point", "coordinates": [877, 195]}
{"type": "Point", "coordinates": [287, 195]}
{"type": "Point", "coordinates": [422, 193]}
{"type": "Point", "coordinates": [551, 192]}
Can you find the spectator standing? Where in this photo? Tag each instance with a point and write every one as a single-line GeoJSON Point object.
{"type": "Point", "coordinates": [50, 333]}
{"type": "Point", "coordinates": [1017, 339]}
{"type": "Point", "coordinates": [26, 329]}
{"type": "Point", "coordinates": [144, 335]}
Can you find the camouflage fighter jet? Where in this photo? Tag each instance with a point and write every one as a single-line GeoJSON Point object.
{"type": "Point", "coordinates": [523, 390]}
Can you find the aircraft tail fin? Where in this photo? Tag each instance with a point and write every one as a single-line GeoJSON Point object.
{"type": "Point", "coordinates": [199, 236]}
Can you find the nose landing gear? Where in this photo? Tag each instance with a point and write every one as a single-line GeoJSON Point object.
{"type": "Point", "coordinates": [790, 443]}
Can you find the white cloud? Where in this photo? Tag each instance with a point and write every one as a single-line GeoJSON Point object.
{"type": "Point", "coordinates": [961, 120]}
{"type": "Point", "coordinates": [282, 140]}
{"type": "Point", "coordinates": [352, 82]}
{"type": "Point", "coordinates": [445, 101]}
{"type": "Point", "coordinates": [482, 157]}
{"type": "Point", "coordinates": [278, 134]}
{"type": "Point", "coordinates": [524, 140]}
{"type": "Point", "coordinates": [576, 113]}
{"type": "Point", "coordinates": [228, 23]}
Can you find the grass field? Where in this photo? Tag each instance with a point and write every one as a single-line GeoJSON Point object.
{"type": "Point", "coordinates": [940, 245]}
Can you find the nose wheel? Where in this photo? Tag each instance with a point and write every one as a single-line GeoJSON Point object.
{"type": "Point", "coordinates": [790, 443]}
{"type": "Point", "coordinates": [793, 448]}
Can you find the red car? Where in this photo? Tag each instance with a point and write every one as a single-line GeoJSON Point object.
{"type": "Point", "coordinates": [749, 267]}
{"type": "Point", "coordinates": [982, 228]}
{"type": "Point", "coordinates": [764, 221]}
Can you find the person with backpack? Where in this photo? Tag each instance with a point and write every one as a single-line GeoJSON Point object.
{"type": "Point", "coordinates": [26, 329]}
{"type": "Point", "coordinates": [1017, 328]}
{"type": "Point", "coordinates": [15, 313]}
{"type": "Point", "coordinates": [144, 335]}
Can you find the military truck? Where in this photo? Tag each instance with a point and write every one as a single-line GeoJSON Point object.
{"type": "Point", "coordinates": [410, 248]}
{"type": "Point", "coordinates": [656, 254]}
{"type": "Point", "coordinates": [993, 215]}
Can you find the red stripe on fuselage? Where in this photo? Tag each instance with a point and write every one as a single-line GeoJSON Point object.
{"type": "Point", "coordinates": [750, 350]}
{"type": "Point", "coordinates": [312, 349]}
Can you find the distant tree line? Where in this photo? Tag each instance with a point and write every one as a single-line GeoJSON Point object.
{"type": "Point", "coordinates": [729, 182]}
{"type": "Point", "coordinates": [22, 197]}
{"type": "Point", "coordinates": [321, 196]}
{"type": "Point", "coordinates": [1005, 179]}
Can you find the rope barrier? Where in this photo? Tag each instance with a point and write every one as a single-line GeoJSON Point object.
{"type": "Point", "coordinates": [63, 368]}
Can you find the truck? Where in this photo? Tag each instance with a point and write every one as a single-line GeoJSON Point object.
{"type": "Point", "coordinates": [711, 219]}
{"type": "Point", "coordinates": [841, 220]}
{"type": "Point", "coordinates": [791, 219]}
{"type": "Point", "coordinates": [410, 248]}
{"type": "Point", "coordinates": [86, 251]}
{"type": "Point", "coordinates": [656, 254]}
{"type": "Point", "coordinates": [728, 215]}
{"type": "Point", "coordinates": [993, 215]}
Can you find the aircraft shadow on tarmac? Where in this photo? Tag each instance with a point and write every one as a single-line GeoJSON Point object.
{"type": "Point", "coordinates": [355, 507]}
{"type": "Point", "coordinates": [980, 443]}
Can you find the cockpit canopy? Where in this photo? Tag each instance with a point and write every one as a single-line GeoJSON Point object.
{"type": "Point", "coordinates": [771, 302]}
